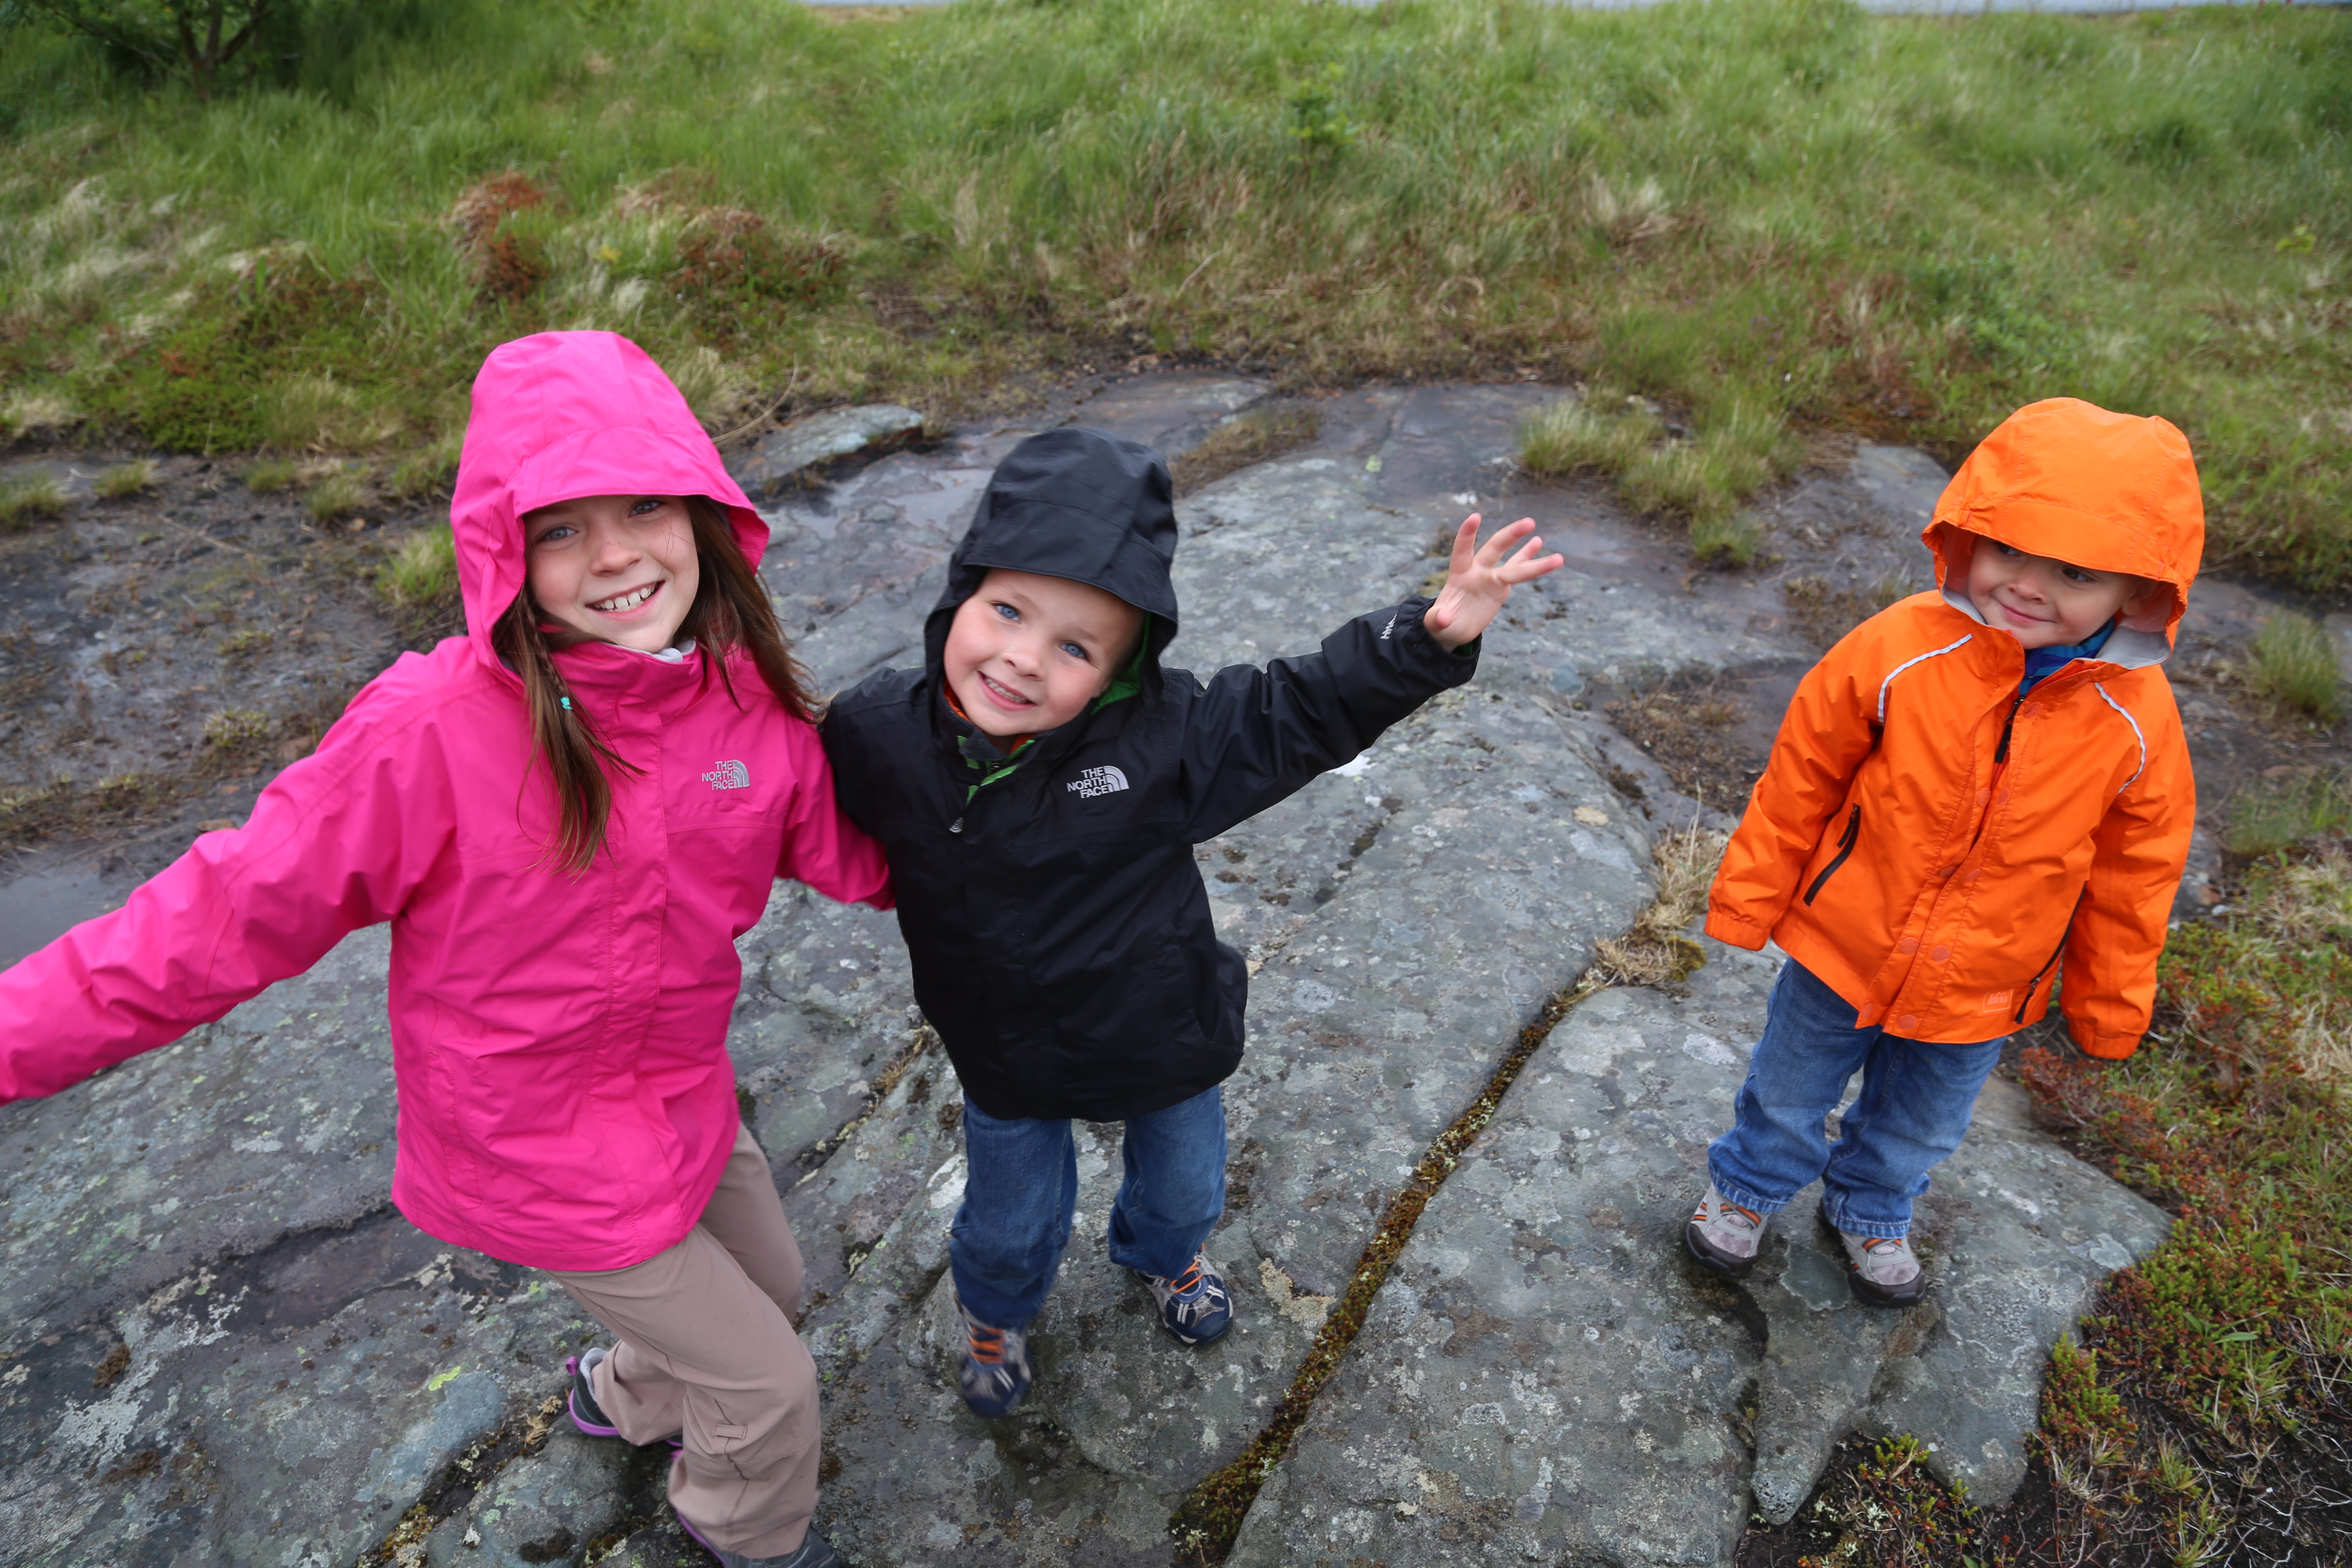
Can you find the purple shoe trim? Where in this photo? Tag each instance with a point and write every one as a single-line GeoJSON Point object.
{"type": "Point", "coordinates": [571, 1403]}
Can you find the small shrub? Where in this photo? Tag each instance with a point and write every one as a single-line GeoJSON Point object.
{"type": "Point", "coordinates": [233, 731]}
{"type": "Point", "coordinates": [1318, 122]}
{"type": "Point", "coordinates": [2278, 813]}
{"type": "Point", "coordinates": [125, 479]}
{"type": "Point", "coordinates": [269, 476]}
{"type": "Point", "coordinates": [28, 412]}
{"type": "Point", "coordinates": [340, 494]}
{"type": "Point", "coordinates": [25, 499]}
{"type": "Point", "coordinates": [2293, 662]}
{"type": "Point", "coordinates": [730, 255]}
{"type": "Point", "coordinates": [421, 574]}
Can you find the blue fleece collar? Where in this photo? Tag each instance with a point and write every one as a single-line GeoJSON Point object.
{"type": "Point", "coordinates": [2043, 661]}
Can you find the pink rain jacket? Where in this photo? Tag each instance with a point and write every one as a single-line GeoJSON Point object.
{"type": "Point", "coordinates": [566, 1099]}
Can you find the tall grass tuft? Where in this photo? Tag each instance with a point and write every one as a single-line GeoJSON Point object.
{"type": "Point", "coordinates": [2293, 662]}
{"type": "Point", "coordinates": [124, 480]}
{"type": "Point", "coordinates": [339, 495]}
{"type": "Point", "coordinates": [2272, 815]}
{"type": "Point", "coordinates": [24, 500]}
{"type": "Point", "coordinates": [421, 574]}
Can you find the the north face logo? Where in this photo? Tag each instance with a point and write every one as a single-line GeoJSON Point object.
{"type": "Point", "coordinates": [1097, 781]}
{"type": "Point", "coordinates": [728, 776]}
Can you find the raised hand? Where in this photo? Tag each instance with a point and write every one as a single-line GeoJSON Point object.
{"type": "Point", "coordinates": [1482, 577]}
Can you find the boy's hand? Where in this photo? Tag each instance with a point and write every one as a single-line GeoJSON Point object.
{"type": "Point", "coordinates": [1480, 579]}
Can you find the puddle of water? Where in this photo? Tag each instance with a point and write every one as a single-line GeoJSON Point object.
{"type": "Point", "coordinates": [36, 910]}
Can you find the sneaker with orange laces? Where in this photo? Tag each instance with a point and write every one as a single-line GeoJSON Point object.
{"type": "Point", "coordinates": [995, 1370]}
{"type": "Point", "coordinates": [1194, 1305]}
{"type": "Point", "coordinates": [1725, 1236]}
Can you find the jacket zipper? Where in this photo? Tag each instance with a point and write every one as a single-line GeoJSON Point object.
{"type": "Point", "coordinates": [2051, 962]}
{"type": "Point", "coordinates": [2001, 753]}
{"type": "Point", "coordinates": [1845, 848]}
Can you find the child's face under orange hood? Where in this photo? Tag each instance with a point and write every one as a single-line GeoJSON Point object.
{"type": "Point", "coordinates": [2047, 603]}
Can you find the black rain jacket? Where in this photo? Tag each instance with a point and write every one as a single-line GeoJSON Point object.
{"type": "Point", "coordinates": [1059, 929]}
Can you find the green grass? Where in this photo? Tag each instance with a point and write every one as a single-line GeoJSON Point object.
{"type": "Point", "coordinates": [2292, 661]}
{"type": "Point", "coordinates": [269, 476]}
{"type": "Point", "coordinates": [338, 495]}
{"type": "Point", "coordinates": [2272, 815]}
{"type": "Point", "coordinates": [124, 480]}
{"type": "Point", "coordinates": [1762, 216]}
{"type": "Point", "coordinates": [421, 574]}
{"type": "Point", "coordinates": [24, 500]}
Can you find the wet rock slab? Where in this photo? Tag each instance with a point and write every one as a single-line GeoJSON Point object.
{"type": "Point", "coordinates": [1546, 1376]}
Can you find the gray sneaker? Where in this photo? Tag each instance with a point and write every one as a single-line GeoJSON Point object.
{"type": "Point", "coordinates": [815, 1552]}
{"type": "Point", "coordinates": [1882, 1271]}
{"type": "Point", "coordinates": [1723, 1236]}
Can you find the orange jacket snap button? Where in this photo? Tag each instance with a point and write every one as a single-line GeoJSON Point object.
{"type": "Point", "coordinates": [1909, 944]}
{"type": "Point", "coordinates": [1908, 1022]}
{"type": "Point", "coordinates": [1940, 954]}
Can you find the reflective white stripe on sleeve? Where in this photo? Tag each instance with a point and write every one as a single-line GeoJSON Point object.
{"type": "Point", "coordinates": [1907, 664]}
{"type": "Point", "coordinates": [2137, 735]}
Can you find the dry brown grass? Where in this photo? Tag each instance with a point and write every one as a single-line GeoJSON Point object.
{"type": "Point", "coordinates": [1246, 438]}
{"type": "Point", "coordinates": [1657, 949]}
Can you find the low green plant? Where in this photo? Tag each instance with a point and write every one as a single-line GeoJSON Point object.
{"type": "Point", "coordinates": [269, 475]}
{"type": "Point", "coordinates": [2292, 661]}
{"type": "Point", "coordinates": [1572, 436]}
{"type": "Point", "coordinates": [24, 500]}
{"type": "Point", "coordinates": [234, 731]}
{"type": "Point", "coordinates": [339, 495]}
{"type": "Point", "coordinates": [422, 574]}
{"type": "Point", "coordinates": [2268, 816]}
{"type": "Point", "coordinates": [125, 479]}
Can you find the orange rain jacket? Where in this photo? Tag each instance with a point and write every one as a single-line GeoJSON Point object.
{"type": "Point", "coordinates": [1931, 845]}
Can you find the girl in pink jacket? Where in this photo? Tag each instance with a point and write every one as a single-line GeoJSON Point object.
{"type": "Point", "coordinates": [568, 815]}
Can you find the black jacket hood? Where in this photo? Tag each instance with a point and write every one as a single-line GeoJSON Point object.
{"type": "Point", "coordinates": [1087, 505]}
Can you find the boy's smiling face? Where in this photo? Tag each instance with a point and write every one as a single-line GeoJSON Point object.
{"type": "Point", "coordinates": [2044, 602]}
{"type": "Point", "coordinates": [1026, 653]}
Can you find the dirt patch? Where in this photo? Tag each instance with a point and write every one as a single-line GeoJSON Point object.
{"type": "Point", "coordinates": [1244, 439]}
{"type": "Point", "coordinates": [168, 652]}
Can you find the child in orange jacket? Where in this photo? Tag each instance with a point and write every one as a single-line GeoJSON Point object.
{"type": "Point", "coordinates": [1977, 790]}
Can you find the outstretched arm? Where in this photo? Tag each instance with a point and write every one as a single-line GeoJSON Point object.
{"type": "Point", "coordinates": [1481, 577]}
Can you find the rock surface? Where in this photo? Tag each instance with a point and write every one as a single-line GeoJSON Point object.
{"type": "Point", "coordinates": [779, 456]}
{"type": "Point", "coordinates": [223, 1348]}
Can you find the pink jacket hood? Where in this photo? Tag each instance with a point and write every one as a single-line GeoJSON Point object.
{"type": "Point", "coordinates": [558, 416]}
{"type": "Point", "coordinates": [559, 1041]}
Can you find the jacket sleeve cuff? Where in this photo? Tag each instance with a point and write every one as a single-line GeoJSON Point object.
{"type": "Point", "coordinates": [2106, 1048]}
{"type": "Point", "coordinates": [1735, 932]}
{"type": "Point", "coordinates": [1448, 668]}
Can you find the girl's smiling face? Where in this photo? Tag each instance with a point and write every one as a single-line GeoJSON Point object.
{"type": "Point", "coordinates": [2044, 602]}
{"type": "Point", "coordinates": [1026, 653]}
{"type": "Point", "coordinates": [619, 568]}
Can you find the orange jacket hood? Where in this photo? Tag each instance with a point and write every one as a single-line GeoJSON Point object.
{"type": "Point", "coordinates": [2065, 478]}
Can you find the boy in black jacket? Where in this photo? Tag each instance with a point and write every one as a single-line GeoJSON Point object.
{"type": "Point", "coordinates": [1038, 786]}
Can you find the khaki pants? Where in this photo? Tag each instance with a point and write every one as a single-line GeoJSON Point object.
{"type": "Point", "coordinates": [707, 1348]}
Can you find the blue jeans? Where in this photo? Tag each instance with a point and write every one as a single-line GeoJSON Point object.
{"type": "Point", "coordinates": [1022, 1187]}
{"type": "Point", "coordinates": [1916, 1098]}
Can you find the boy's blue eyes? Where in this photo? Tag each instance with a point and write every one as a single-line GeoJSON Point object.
{"type": "Point", "coordinates": [1008, 613]}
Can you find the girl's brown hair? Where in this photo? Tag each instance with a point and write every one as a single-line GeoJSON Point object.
{"type": "Point", "coordinates": [730, 611]}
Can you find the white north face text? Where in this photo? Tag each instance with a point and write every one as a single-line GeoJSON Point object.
{"type": "Point", "coordinates": [1097, 781]}
{"type": "Point", "coordinates": [728, 776]}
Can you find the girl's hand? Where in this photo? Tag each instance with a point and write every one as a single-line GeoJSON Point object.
{"type": "Point", "coordinates": [1480, 579]}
